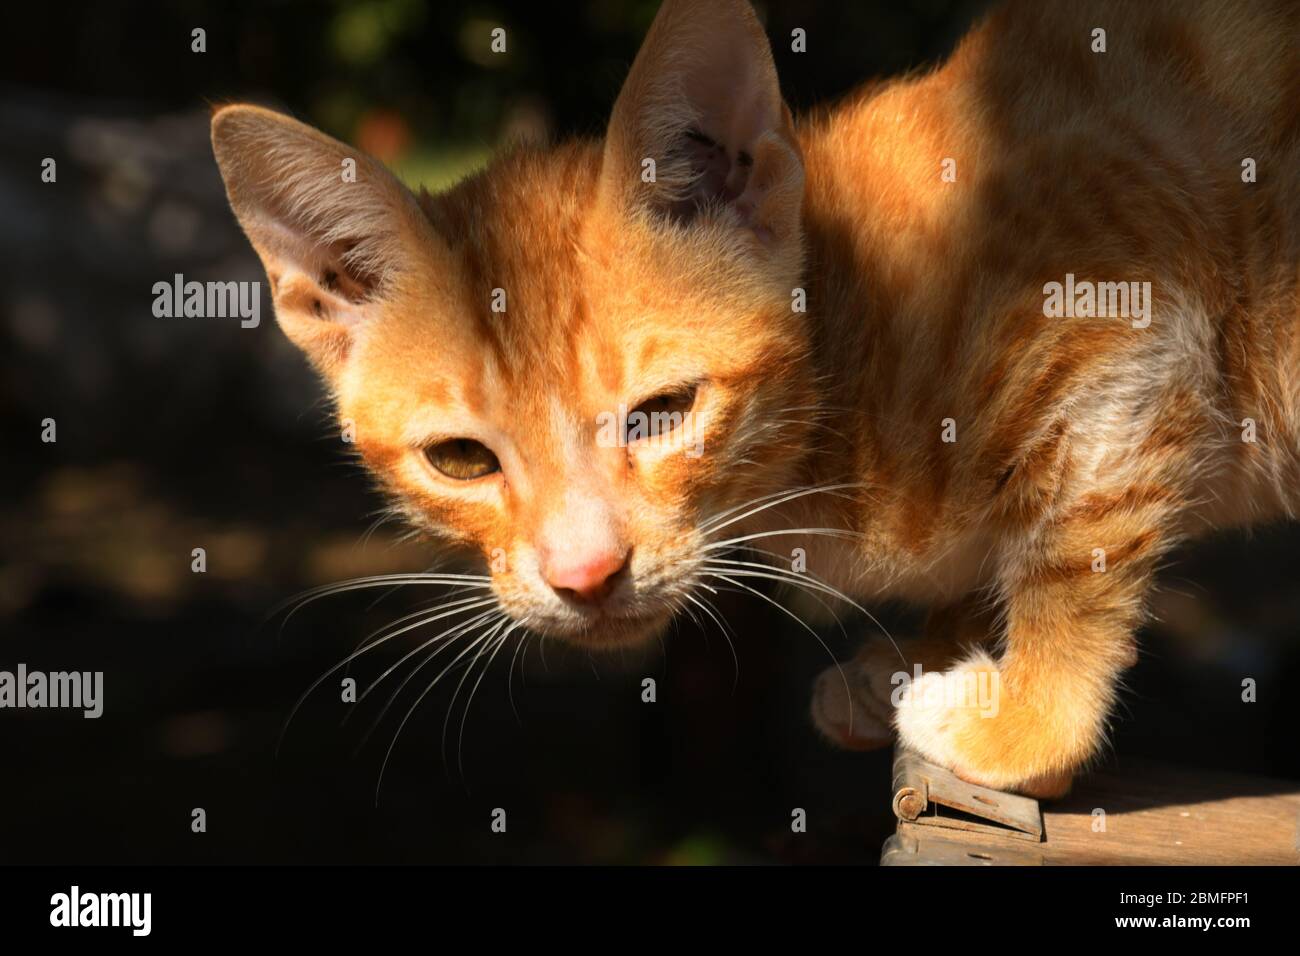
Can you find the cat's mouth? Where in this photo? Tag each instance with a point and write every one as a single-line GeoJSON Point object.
{"type": "Point", "coordinates": [609, 629]}
{"type": "Point", "coordinates": [636, 607]}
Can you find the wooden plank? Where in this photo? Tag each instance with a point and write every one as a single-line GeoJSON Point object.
{"type": "Point", "coordinates": [916, 845]}
{"type": "Point", "coordinates": [1153, 814]}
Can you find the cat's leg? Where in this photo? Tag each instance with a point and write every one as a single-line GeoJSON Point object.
{"type": "Point", "coordinates": [1073, 596]}
{"type": "Point", "coordinates": [861, 717]}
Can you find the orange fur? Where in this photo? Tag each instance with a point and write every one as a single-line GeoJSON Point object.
{"type": "Point", "coordinates": [926, 303]}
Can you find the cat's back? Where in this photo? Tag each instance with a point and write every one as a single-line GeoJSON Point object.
{"type": "Point", "coordinates": [1106, 116]}
{"type": "Point", "coordinates": [1098, 141]}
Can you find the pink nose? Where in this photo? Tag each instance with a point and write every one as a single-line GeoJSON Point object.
{"type": "Point", "coordinates": [585, 578]}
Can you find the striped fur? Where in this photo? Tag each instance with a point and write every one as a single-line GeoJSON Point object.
{"type": "Point", "coordinates": [926, 306]}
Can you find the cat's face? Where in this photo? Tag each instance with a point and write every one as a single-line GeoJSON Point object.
{"type": "Point", "coordinates": [562, 366]}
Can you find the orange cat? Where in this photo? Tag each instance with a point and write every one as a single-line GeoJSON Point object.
{"type": "Point", "coordinates": [993, 338]}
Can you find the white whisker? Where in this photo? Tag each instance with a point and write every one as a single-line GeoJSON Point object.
{"type": "Point", "coordinates": [447, 635]}
{"type": "Point", "coordinates": [301, 600]}
{"type": "Point", "coordinates": [811, 582]}
{"type": "Point", "coordinates": [848, 693]}
{"type": "Point", "coordinates": [434, 683]}
{"type": "Point", "coordinates": [764, 502]}
{"type": "Point", "coordinates": [510, 677]}
{"type": "Point", "coordinates": [735, 658]}
{"type": "Point", "coordinates": [357, 653]}
{"type": "Point", "coordinates": [737, 568]}
{"type": "Point", "coordinates": [824, 532]}
{"type": "Point", "coordinates": [460, 739]}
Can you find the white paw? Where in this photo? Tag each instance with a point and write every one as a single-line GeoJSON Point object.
{"type": "Point", "coordinates": [931, 708]}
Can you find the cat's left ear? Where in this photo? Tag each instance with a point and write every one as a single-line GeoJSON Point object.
{"type": "Point", "coordinates": [335, 230]}
{"type": "Point", "coordinates": [700, 124]}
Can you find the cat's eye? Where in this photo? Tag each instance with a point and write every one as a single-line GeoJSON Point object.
{"type": "Point", "coordinates": [660, 414]}
{"type": "Point", "coordinates": [463, 459]}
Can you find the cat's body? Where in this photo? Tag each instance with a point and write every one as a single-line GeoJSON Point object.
{"type": "Point", "coordinates": [1022, 473]}
{"type": "Point", "coordinates": [1072, 434]}
{"type": "Point", "coordinates": [1117, 166]}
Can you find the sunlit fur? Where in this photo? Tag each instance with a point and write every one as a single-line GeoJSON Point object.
{"type": "Point", "coordinates": [925, 304]}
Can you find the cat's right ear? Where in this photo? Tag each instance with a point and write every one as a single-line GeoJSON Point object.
{"type": "Point", "coordinates": [333, 227]}
{"type": "Point", "coordinates": [700, 121]}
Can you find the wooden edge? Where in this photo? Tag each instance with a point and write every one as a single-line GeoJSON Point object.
{"type": "Point", "coordinates": [930, 846]}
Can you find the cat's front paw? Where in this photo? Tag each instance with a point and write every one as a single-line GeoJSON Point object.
{"type": "Point", "coordinates": [964, 719]}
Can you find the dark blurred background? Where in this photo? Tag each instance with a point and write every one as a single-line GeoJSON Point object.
{"type": "Point", "coordinates": [176, 434]}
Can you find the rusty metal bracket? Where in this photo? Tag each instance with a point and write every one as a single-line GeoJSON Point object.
{"type": "Point", "coordinates": [929, 796]}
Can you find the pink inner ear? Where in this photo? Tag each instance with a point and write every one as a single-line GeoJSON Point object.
{"type": "Point", "coordinates": [719, 174]}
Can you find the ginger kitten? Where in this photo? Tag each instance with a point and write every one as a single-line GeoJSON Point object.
{"type": "Point", "coordinates": [883, 337]}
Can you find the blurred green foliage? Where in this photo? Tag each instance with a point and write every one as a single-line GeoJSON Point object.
{"type": "Point", "coordinates": [417, 82]}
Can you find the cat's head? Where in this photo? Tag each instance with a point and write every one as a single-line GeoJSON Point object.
{"type": "Point", "coordinates": [571, 361]}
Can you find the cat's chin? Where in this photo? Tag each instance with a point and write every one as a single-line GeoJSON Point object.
{"type": "Point", "coordinates": [615, 633]}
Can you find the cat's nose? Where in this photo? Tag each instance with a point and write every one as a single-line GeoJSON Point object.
{"type": "Point", "coordinates": [585, 578]}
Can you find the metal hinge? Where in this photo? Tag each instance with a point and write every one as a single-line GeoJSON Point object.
{"type": "Point", "coordinates": [930, 796]}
